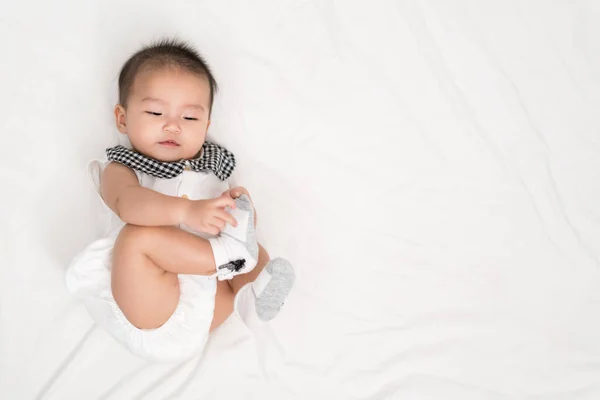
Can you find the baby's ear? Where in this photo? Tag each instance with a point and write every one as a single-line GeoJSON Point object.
{"type": "Point", "coordinates": [120, 118]}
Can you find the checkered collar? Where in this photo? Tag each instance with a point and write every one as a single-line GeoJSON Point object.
{"type": "Point", "coordinates": [213, 157]}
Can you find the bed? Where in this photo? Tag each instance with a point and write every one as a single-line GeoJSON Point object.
{"type": "Point", "coordinates": [430, 167]}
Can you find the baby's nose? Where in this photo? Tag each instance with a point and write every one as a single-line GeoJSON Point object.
{"type": "Point", "coordinates": [172, 127]}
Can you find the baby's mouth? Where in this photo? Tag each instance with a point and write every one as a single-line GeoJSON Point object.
{"type": "Point", "coordinates": [169, 143]}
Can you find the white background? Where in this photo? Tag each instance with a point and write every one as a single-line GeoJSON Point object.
{"type": "Point", "coordinates": [431, 168]}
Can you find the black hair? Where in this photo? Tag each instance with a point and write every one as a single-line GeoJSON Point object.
{"type": "Point", "coordinates": [164, 53]}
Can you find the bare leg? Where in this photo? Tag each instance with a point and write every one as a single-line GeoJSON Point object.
{"type": "Point", "coordinates": [170, 248]}
{"type": "Point", "coordinates": [146, 261]}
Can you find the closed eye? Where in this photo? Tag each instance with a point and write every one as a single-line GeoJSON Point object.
{"type": "Point", "coordinates": [153, 113]}
{"type": "Point", "coordinates": [190, 118]}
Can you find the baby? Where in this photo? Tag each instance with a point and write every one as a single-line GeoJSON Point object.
{"type": "Point", "coordinates": [182, 248]}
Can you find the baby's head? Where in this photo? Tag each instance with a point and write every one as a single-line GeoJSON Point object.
{"type": "Point", "coordinates": [165, 98]}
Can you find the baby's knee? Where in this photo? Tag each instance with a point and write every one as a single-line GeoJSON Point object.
{"type": "Point", "coordinates": [134, 233]}
{"type": "Point", "coordinates": [132, 236]}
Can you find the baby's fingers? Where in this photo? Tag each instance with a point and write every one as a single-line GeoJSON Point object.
{"type": "Point", "coordinates": [226, 217]}
{"type": "Point", "coordinates": [217, 224]}
{"type": "Point", "coordinates": [212, 229]}
{"type": "Point", "coordinates": [225, 201]}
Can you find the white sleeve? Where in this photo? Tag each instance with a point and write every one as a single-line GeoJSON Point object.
{"type": "Point", "coordinates": [95, 169]}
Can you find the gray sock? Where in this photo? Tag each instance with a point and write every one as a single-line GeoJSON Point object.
{"type": "Point", "coordinates": [272, 288]}
{"type": "Point", "coordinates": [250, 243]}
{"type": "Point", "coordinates": [243, 203]}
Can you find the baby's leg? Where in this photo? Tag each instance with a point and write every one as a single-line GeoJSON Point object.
{"type": "Point", "coordinates": [240, 280]}
{"type": "Point", "coordinates": [146, 261]}
{"type": "Point", "coordinates": [226, 290]}
{"type": "Point", "coordinates": [267, 286]}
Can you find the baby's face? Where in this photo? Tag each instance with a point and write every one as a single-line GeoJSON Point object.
{"type": "Point", "coordinates": [167, 114]}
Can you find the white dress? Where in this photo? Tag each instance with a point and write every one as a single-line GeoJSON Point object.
{"type": "Point", "coordinates": [88, 278]}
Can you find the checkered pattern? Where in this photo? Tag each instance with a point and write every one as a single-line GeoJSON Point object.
{"type": "Point", "coordinates": [214, 158]}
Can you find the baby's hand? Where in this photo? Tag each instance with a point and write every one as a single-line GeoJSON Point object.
{"type": "Point", "coordinates": [209, 216]}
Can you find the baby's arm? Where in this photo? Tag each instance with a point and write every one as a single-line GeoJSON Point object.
{"type": "Point", "coordinates": [138, 205]}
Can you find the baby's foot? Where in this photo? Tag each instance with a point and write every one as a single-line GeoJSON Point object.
{"type": "Point", "coordinates": [272, 287]}
{"type": "Point", "coordinates": [236, 249]}
{"type": "Point", "coordinates": [261, 300]}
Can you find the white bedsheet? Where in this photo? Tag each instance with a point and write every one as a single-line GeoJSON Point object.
{"type": "Point", "coordinates": [431, 168]}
